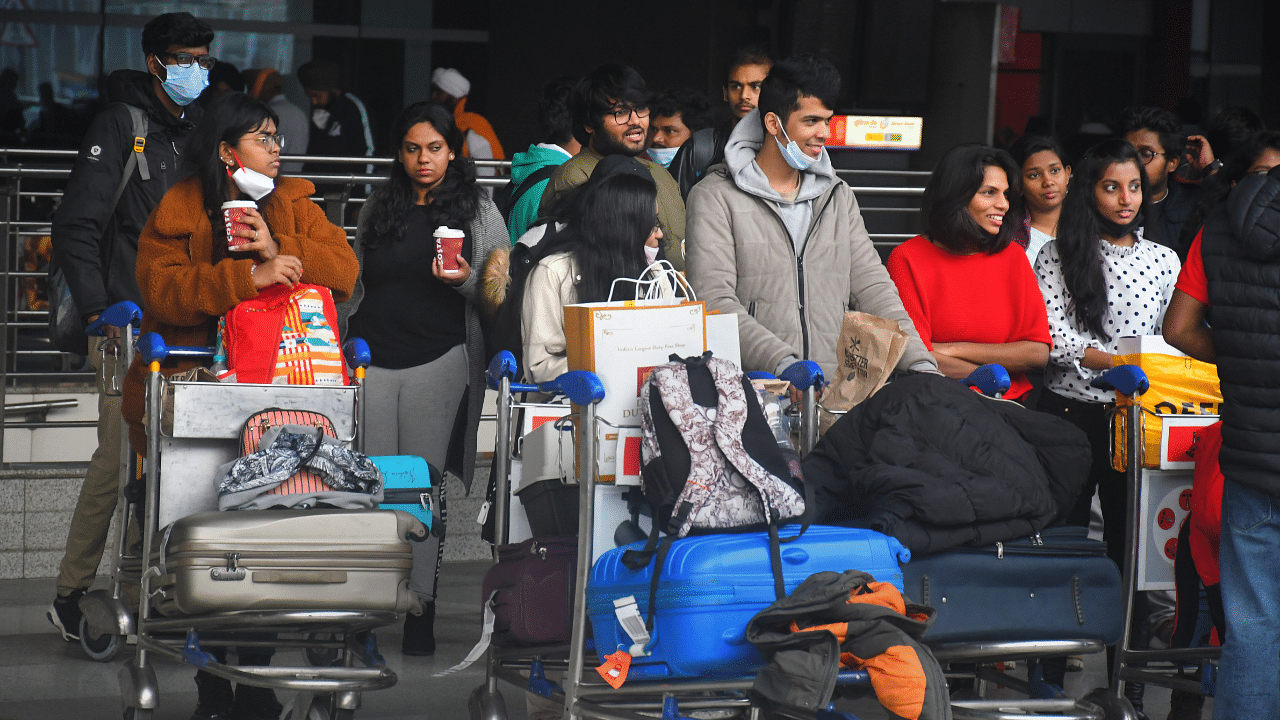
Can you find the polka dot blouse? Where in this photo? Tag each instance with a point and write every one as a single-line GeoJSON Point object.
{"type": "Point", "coordinates": [1140, 281]}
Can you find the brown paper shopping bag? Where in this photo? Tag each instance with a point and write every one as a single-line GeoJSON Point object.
{"type": "Point", "coordinates": [621, 342]}
{"type": "Point", "coordinates": [869, 349]}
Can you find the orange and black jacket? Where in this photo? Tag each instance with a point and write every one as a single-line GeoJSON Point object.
{"type": "Point", "coordinates": [849, 620]}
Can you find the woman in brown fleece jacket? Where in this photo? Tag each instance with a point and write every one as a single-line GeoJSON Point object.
{"type": "Point", "coordinates": [189, 279]}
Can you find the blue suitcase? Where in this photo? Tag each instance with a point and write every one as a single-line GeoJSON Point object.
{"type": "Point", "coordinates": [1056, 585]}
{"type": "Point", "coordinates": [711, 585]}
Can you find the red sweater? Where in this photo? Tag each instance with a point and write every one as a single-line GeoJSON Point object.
{"type": "Point", "coordinates": [971, 298]}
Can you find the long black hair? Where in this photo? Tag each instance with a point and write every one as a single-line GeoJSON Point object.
{"type": "Point", "coordinates": [609, 227]}
{"type": "Point", "coordinates": [1079, 232]}
{"type": "Point", "coordinates": [944, 206]}
{"type": "Point", "coordinates": [454, 202]}
{"type": "Point", "coordinates": [226, 119]}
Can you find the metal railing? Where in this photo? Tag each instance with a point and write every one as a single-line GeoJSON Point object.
{"type": "Point", "coordinates": [31, 183]}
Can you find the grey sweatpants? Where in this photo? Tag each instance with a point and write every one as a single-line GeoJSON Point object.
{"type": "Point", "coordinates": [411, 412]}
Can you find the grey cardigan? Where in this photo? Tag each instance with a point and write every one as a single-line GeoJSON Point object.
{"type": "Point", "coordinates": [488, 233]}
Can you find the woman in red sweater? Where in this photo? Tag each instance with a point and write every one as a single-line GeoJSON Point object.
{"type": "Point", "coordinates": [972, 295]}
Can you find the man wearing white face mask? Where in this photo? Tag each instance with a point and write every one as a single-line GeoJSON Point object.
{"type": "Point", "coordinates": [95, 240]}
{"type": "Point", "coordinates": [775, 237]}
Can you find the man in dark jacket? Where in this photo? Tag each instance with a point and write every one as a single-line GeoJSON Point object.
{"type": "Point", "coordinates": [95, 239]}
{"type": "Point", "coordinates": [1241, 249]}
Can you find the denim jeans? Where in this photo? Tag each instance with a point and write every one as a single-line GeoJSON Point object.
{"type": "Point", "coordinates": [1249, 673]}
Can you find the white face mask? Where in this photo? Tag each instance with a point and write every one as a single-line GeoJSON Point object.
{"type": "Point", "coordinates": [251, 182]}
{"type": "Point", "coordinates": [663, 156]}
{"type": "Point", "coordinates": [651, 254]}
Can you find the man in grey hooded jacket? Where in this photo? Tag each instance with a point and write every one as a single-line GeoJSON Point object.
{"type": "Point", "coordinates": [775, 237]}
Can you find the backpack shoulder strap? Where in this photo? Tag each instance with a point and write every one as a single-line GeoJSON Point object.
{"type": "Point", "coordinates": [136, 158]}
{"type": "Point", "coordinates": [543, 173]}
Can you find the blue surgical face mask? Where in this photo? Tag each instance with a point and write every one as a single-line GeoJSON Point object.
{"type": "Point", "coordinates": [791, 152]}
{"type": "Point", "coordinates": [184, 84]}
{"type": "Point", "coordinates": [663, 156]}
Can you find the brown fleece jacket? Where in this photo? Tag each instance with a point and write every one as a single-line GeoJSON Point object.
{"type": "Point", "coordinates": [185, 291]}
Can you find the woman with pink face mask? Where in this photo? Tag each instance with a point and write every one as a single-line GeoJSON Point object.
{"type": "Point", "coordinates": [612, 232]}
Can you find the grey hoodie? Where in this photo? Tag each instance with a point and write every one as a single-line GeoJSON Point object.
{"type": "Point", "coordinates": [740, 155]}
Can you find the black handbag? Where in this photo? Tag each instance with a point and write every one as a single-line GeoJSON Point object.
{"type": "Point", "coordinates": [66, 327]}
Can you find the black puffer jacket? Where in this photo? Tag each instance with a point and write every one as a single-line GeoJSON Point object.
{"type": "Point", "coordinates": [936, 465]}
{"type": "Point", "coordinates": [98, 248]}
{"type": "Point", "coordinates": [1241, 249]}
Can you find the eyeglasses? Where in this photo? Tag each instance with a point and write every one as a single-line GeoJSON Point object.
{"type": "Point", "coordinates": [1148, 155]}
{"type": "Point", "coordinates": [269, 140]}
{"type": "Point", "coordinates": [185, 60]}
{"type": "Point", "coordinates": [622, 114]}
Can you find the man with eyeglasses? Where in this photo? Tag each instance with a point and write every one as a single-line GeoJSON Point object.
{"type": "Point", "coordinates": [1158, 136]}
{"type": "Point", "coordinates": [95, 240]}
{"type": "Point", "coordinates": [611, 117]}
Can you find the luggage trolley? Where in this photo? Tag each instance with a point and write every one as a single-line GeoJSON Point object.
{"type": "Point", "coordinates": [582, 693]}
{"type": "Point", "coordinates": [1191, 670]}
{"type": "Point", "coordinates": [988, 655]}
{"type": "Point", "coordinates": [184, 447]}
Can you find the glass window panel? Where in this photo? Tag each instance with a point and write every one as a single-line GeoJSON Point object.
{"type": "Point", "coordinates": [273, 10]}
{"type": "Point", "coordinates": [66, 56]}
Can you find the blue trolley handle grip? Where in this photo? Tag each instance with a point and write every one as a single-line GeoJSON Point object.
{"type": "Point", "coordinates": [1124, 379]}
{"type": "Point", "coordinates": [118, 316]}
{"type": "Point", "coordinates": [356, 352]}
{"type": "Point", "coordinates": [804, 374]}
{"type": "Point", "coordinates": [502, 365]}
{"type": "Point", "coordinates": [152, 349]}
{"type": "Point", "coordinates": [991, 380]}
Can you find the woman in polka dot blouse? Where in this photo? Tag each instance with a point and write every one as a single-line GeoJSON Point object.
{"type": "Point", "coordinates": [1101, 281]}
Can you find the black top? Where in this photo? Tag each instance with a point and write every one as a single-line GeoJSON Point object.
{"type": "Point", "coordinates": [408, 316]}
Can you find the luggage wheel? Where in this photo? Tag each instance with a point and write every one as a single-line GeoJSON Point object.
{"type": "Point", "coordinates": [484, 705]}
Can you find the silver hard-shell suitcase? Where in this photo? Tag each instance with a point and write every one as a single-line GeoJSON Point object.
{"type": "Point", "coordinates": [317, 559]}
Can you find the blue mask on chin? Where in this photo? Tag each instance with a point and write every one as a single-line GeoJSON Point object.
{"type": "Point", "coordinates": [791, 152]}
{"type": "Point", "coordinates": [184, 84]}
{"type": "Point", "coordinates": [663, 156]}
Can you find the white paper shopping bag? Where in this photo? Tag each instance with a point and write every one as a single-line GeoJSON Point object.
{"type": "Point", "coordinates": [621, 343]}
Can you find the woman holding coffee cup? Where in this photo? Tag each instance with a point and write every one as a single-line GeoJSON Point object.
{"type": "Point", "coordinates": [190, 276]}
{"type": "Point", "coordinates": [418, 238]}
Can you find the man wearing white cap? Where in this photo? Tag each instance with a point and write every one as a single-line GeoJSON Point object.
{"type": "Point", "coordinates": [450, 88]}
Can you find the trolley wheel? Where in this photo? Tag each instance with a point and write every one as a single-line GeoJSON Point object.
{"type": "Point", "coordinates": [483, 705]}
{"type": "Point", "coordinates": [104, 648]}
{"type": "Point", "coordinates": [1113, 708]}
{"type": "Point", "coordinates": [322, 657]}
{"type": "Point", "coordinates": [137, 713]}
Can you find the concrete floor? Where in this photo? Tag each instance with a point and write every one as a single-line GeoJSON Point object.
{"type": "Point", "coordinates": [44, 678]}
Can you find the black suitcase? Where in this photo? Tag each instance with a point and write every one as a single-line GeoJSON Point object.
{"type": "Point", "coordinates": [1055, 585]}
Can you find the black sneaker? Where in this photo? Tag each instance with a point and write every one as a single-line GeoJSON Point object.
{"type": "Point", "coordinates": [419, 632]}
{"type": "Point", "coordinates": [65, 615]}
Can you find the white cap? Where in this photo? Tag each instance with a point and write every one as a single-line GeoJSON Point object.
{"type": "Point", "coordinates": [451, 81]}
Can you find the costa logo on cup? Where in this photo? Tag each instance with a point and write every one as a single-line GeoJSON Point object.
{"type": "Point", "coordinates": [233, 219]}
{"type": "Point", "coordinates": [448, 246]}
